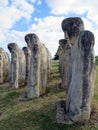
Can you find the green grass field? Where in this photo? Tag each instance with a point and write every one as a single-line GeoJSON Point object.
{"type": "Point", "coordinates": [40, 113]}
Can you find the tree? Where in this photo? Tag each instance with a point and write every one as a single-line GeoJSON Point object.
{"type": "Point", "coordinates": [96, 57]}
{"type": "Point", "coordinates": [56, 57]}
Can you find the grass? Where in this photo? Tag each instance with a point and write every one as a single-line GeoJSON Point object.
{"type": "Point", "coordinates": [96, 58]}
{"type": "Point", "coordinates": [40, 113]}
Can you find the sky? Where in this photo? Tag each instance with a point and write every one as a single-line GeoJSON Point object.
{"type": "Point", "coordinates": [44, 17]}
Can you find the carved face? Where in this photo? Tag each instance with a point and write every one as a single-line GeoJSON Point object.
{"type": "Point", "coordinates": [72, 26]}
{"type": "Point", "coordinates": [12, 47]}
{"type": "Point", "coordinates": [62, 42]}
{"type": "Point", "coordinates": [31, 39]}
{"type": "Point", "coordinates": [26, 50]}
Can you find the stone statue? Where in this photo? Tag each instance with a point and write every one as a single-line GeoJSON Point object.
{"type": "Point", "coordinates": [71, 28]}
{"type": "Point", "coordinates": [62, 51]}
{"type": "Point", "coordinates": [27, 53]}
{"type": "Point", "coordinates": [18, 67]}
{"type": "Point", "coordinates": [39, 67]}
{"type": "Point", "coordinates": [49, 62]}
{"type": "Point", "coordinates": [80, 73]}
{"type": "Point", "coordinates": [4, 66]}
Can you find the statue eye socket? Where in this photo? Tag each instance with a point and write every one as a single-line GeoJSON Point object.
{"type": "Point", "coordinates": [33, 36]}
{"type": "Point", "coordinates": [77, 23]}
{"type": "Point", "coordinates": [27, 39]}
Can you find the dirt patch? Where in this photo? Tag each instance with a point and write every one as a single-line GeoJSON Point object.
{"type": "Point", "coordinates": [94, 116]}
{"type": "Point", "coordinates": [1, 113]}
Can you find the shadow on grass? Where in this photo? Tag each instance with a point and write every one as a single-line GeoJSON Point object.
{"type": "Point", "coordinates": [41, 119]}
{"type": "Point", "coordinates": [40, 114]}
{"type": "Point", "coordinates": [9, 99]}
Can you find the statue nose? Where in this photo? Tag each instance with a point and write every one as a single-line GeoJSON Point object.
{"type": "Point", "coordinates": [30, 44]}
{"type": "Point", "coordinates": [74, 25]}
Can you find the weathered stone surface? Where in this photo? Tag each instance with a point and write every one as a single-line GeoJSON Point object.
{"type": "Point", "coordinates": [71, 28]}
{"type": "Point", "coordinates": [62, 114]}
{"type": "Point", "coordinates": [80, 74]}
{"type": "Point", "coordinates": [49, 62]}
{"type": "Point", "coordinates": [62, 52]}
{"type": "Point", "coordinates": [4, 66]}
{"type": "Point", "coordinates": [1, 65]}
{"type": "Point", "coordinates": [80, 89]}
{"type": "Point", "coordinates": [39, 66]}
{"type": "Point", "coordinates": [34, 79]}
{"type": "Point", "coordinates": [18, 66]}
{"type": "Point", "coordinates": [27, 53]}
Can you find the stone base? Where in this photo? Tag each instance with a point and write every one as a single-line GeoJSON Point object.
{"type": "Point", "coordinates": [23, 97]}
{"type": "Point", "coordinates": [8, 88]}
{"type": "Point", "coordinates": [61, 113]}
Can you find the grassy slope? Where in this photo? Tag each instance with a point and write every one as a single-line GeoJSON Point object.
{"type": "Point", "coordinates": [40, 114]}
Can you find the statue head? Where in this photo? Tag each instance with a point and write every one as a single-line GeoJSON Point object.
{"type": "Point", "coordinates": [12, 47]}
{"type": "Point", "coordinates": [72, 26]}
{"type": "Point", "coordinates": [26, 50]}
{"type": "Point", "coordinates": [87, 41]}
{"type": "Point", "coordinates": [31, 39]}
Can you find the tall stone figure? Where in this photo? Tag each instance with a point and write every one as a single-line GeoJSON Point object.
{"type": "Point", "coordinates": [4, 66]}
{"type": "Point", "coordinates": [80, 73]}
{"type": "Point", "coordinates": [71, 28]}
{"type": "Point", "coordinates": [62, 52]}
{"type": "Point", "coordinates": [49, 62]}
{"type": "Point", "coordinates": [39, 67]}
{"type": "Point", "coordinates": [27, 53]}
{"type": "Point", "coordinates": [18, 67]}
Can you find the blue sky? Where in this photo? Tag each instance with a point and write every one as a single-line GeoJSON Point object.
{"type": "Point", "coordinates": [41, 10]}
{"type": "Point", "coordinates": [44, 17]}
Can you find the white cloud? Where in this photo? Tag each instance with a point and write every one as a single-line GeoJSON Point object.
{"type": "Point", "coordinates": [10, 13]}
{"type": "Point", "coordinates": [13, 37]}
{"type": "Point", "coordinates": [2, 36]}
{"type": "Point", "coordinates": [17, 37]}
{"type": "Point", "coordinates": [85, 8]}
{"type": "Point", "coordinates": [25, 9]}
{"type": "Point", "coordinates": [75, 6]}
{"type": "Point", "coordinates": [96, 41]}
{"type": "Point", "coordinates": [90, 26]}
{"type": "Point", "coordinates": [38, 2]}
{"type": "Point", "coordinates": [48, 28]}
{"type": "Point", "coordinates": [49, 31]}
{"type": "Point", "coordinates": [32, 1]}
